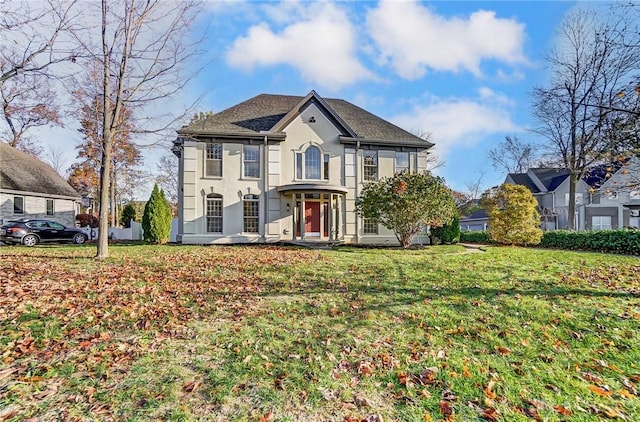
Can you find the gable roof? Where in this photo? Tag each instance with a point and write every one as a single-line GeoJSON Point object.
{"type": "Point", "coordinates": [267, 113]}
{"type": "Point", "coordinates": [22, 172]}
{"type": "Point", "coordinates": [550, 178]}
{"type": "Point", "coordinates": [525, 180]}
{"type": "Point", "coordinates": [598, 175]}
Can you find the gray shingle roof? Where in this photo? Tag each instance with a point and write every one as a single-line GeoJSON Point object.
{"type": "Point", "coordinates": [22, 172]}
{"type": "Point", "coordinates": [525, 180]}
{"type": "Point", "coordinates": [263, 112]}
{"type": "Point", "coordinates": [551, 178]}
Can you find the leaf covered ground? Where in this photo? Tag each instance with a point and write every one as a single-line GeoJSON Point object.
{"type": "Point", "coordinates": [282, 334]}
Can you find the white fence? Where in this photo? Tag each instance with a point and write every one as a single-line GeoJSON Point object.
{"type": "Point", "coordinates": [116, 233]}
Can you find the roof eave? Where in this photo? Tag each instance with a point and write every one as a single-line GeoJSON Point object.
{"type": "Point", "coordinates": [365, 141]}
{"type": "Point", "coordinates": [196, 134]}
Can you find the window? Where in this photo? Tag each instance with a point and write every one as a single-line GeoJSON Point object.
{"type": "Point", "coordinates": [251, 206]}
{"type": "Point", "coordinates": [579, 199]}
{"type": "Point", "coordinates": [213, 160]}
{"type": "Point", "coordinates": [634, 194]}
{"type": "Point", "coordinates": [370, 159]}
{"type": "Point", "coordinates": [251, 160]}
{"type": "Point", "coordinates": [370, 226]}
{"type": "Point", "coordinates": [214, 213]}
{"type": "Point", "coordinates": [18, 205]}
{"type": "Point", "coordinates": [611, 195]}
{"type": "Point", "coordinates": [50, 207]}
{"type": "Point", "coordinates": [313, 164]}
{"type": "Point", "coordinates": [402, 162]}
{"type": "Point", "coordinates": [601, 222]}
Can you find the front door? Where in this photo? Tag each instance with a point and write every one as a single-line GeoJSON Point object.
{"type": "Point", "coordinates": [312, 219]}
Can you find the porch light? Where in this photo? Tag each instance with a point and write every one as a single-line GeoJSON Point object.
{"type": "Point", "coordinates": [287, 207]}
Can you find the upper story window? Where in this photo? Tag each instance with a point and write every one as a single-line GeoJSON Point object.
{"type": "Point", "coordinates": [50, 209]}
{"type": "Point", "coordinates": [402, 162]}
{"type": "Point", "coordinates": [634, 194]}
{"type": "Point", "coordinates": [213, 160]}
{"type": "Point", "coordinates": [18, 205]}
{"type": "Point", "coordinates": [214, 213]}
{"type": "Point", "coordinates": [251, 160]}
{"type": "Point", "coordinates": [251, 211]}
{"type": "Point", "coordinates": [579, 198]}
{"type": "Point", "coordinates": [313, 164]}
{"type": "Point", "coordinates": [370, 162]}
{"type": "Point", "coordinates": [611, 195]}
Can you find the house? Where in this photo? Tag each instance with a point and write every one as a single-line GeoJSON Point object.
{"type": "Point", "coordinates": [615, 195]}
{"type": "Point", "coordinates": [30, 188]}
{"type": "Point", "coordinates": [608, 197]}
{"type": "Point", "coordinates": [287, 168]}
{"type": "Point", "coordinates": [550, 187]}
{"type": "Point", "coordinates": [476, 221]}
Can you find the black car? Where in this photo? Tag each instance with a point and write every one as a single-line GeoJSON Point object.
{"type": "Point", "coordinates": [30, 232]}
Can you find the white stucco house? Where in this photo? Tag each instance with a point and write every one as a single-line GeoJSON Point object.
{"type": "Point", "coordinates": [287, 168]}
{"type": "Point", "coordinates": [30, 188]}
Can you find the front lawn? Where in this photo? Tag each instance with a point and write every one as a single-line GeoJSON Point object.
{"type": "Point", "coordinates": [284, 334]}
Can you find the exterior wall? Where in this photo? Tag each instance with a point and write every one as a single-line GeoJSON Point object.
{"type": "Point", "coordinates": [613, 212]}
{"type": "Point", "coordinates": [35, 206]}
{"type": "Point", "coordinates": [278, 168]}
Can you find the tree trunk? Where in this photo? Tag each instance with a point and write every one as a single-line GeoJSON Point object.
{"type": "Point", "coordinates": [573, 183]}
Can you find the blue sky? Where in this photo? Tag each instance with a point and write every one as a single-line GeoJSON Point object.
{"type": "Point", "coordinates": [462, 71]}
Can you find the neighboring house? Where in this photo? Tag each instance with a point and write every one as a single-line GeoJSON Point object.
{"type": "Point", "coordinates": [287, 168]}
{"type": "Point", "coordinates": [615, 195]}
{"type": "Point", "coordinates": [608, 197]}
{"type": "Point", "coordinates": [550, 187]}
{"type": "Point", "coordinates": [476, 221]}
{"type": "Point", "coordinates": [30, 188]}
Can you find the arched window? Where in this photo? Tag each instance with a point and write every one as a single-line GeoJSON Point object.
{"type": "Point", "coordinates": [214, 213]}
{"type": "Point", "coordinates": [313, 164]}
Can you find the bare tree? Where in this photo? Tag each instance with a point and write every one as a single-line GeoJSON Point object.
{"type": "Point", "coordinates": [589, 71]}
{"type": "Point", "coordinates": [57, 159]}
{"type": "Point", "coordinates": [167, 177]}
{"type": "Point", "coordinates": [433, 160]}
{"type": "Point", "coordinates": [513, 155]}
{"type": "Point", "coordinates": [144, 49]}
{"type": "Point", "coordinates": [34, 36]}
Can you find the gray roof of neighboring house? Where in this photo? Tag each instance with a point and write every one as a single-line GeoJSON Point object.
{"type": "Point", "coordinates": [476, 215]}
{"type": "Point", "coordinates": [525, 180]}
{"type": "Point", "coordinates": [551, 178]}
{"type": "Point", "coordinates": [22, 172]}
{"type": "Point", "coordinates": [263, 112]}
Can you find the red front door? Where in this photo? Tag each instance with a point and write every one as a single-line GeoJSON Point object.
{"type": "Point", "coordinates": [312, 219]}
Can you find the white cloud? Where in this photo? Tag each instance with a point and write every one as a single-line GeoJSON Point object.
{"type": "Point", "coordinates": [412, 39]}
{"type": "Point", "coordinates": [321, 45]}
{"type": "Point", "coordinates": [457, 122]}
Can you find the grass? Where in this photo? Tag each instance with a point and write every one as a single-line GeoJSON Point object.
{"type": "Point", "coordinates": [284, 334]}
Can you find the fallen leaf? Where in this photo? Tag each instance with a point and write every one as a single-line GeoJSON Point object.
{"type": "Point", "coordinates": [490, 414]}
{"type": "Point", "coordinates": [562, 410]}
{"type": "Point", "coordinates": [267, 418]}
{"type": "Point", "coordinates": [600, 391]}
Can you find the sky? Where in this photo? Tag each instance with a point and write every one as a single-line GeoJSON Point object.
{"type": "Point", "coordinates": [461, 71]}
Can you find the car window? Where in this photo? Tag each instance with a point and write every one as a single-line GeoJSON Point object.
{"type": "Point", "coordinates": [36, 224]}
{"type": "Point", "coordinates": [56, 226]}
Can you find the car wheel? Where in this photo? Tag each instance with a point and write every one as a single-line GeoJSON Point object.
{"type": "Point", "coordinates": [79, 239]}
{"type": "Point", "coordinates": [30, 240]}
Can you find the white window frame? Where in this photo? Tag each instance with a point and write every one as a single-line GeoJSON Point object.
{"type": "Point", "coordinates": [367, 153]}
{"type": "Point", "coordinates": [579, 198]}
{"type": "Point", "coordinates": [210, 216]}
{"type": "Point", "coordinates": [251, 214]}
{"type": "Point", "coordinates": [403, 169]}
{"type": "Point", "coordinates": [250, 163]}
{"type": "Point", "coordinates": [300, 163]}
{"type": "Point", "coordinates": [213, 153]}
{"type": "Point", "coordinates": [598, 222]}
{"type": "Point", "coordinates": [634, 194]}
{"type": "Point", "coordinates": [370, 226]}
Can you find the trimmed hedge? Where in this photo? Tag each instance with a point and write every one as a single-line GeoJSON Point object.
{"type": "Point", "coordinates": [624, 241]}
{"type": "Point", "coordinates": [614, 241]}
{"type": "Point", "coordinates": [475, 237]}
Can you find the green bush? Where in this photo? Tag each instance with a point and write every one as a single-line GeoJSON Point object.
{"type": "Point", "coordinates": [128, 215]}
{"type": "Point", "coordinates": [156, 220]}
{"type": "Point", "coordinates": [475, 237]}
{"type": "Point", "coordinates": [448, 234]}
{"type": "Point", "coordinates": [614, 241]}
